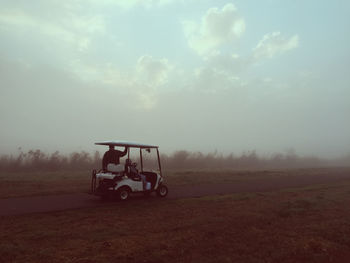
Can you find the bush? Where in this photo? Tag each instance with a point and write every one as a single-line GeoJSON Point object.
{"type": "Point", "coordinates": [36, 160]}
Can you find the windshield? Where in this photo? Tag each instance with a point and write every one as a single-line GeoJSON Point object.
{"type": "Point", "coordinates": [150, 160]}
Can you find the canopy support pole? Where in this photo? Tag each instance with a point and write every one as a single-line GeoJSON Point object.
{"type": "Point", "coordinates": [160, 167]}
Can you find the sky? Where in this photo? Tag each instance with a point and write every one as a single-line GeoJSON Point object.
{"type": "Point", "coordinates": [199, 75]}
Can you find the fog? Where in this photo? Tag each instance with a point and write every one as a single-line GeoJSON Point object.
{"type": "Point", "coordinates": [209, 76]}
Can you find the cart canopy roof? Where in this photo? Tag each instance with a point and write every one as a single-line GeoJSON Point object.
{"type": "Point", "coordinates": [126, 144]}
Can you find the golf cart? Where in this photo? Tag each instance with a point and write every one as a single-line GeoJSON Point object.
{"type": "Point", "coordinates": [120, 180]}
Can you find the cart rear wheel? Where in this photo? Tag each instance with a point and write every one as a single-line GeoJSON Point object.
{"type": "Point", "coordinates": [93, 181]}
{"type": "Point", "coordinates": [162, 191]}
{"type": "Point", "coordinates": [123, 193]}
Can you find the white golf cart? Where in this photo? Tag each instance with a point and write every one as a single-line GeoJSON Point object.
{"type": "Point", "coordinates": [120, 180]}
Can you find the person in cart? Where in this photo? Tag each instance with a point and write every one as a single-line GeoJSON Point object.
{"type": "Point", "coordinates": [112, 156]}
{"type": "Point", "coordinates": [131, 169]}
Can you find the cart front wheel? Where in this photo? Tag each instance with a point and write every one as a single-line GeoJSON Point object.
{"type": "Point", "coordinates": [162, 191]}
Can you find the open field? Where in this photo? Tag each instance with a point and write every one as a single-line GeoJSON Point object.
{"type": "Point", "coordinates": [310, 224]}
{"type": "Point", "coordinates": [17, 184]}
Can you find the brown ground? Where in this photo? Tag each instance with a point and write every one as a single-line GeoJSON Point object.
{"type": "Point", "coordinates": [64, 182]}
{"type": "Point", "coordinates": [310, 224]}
{"type": "Point", "coordinates": [198, 184]}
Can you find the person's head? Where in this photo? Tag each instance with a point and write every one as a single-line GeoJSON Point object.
{"type": "Point", "coordinates": [111, 147]}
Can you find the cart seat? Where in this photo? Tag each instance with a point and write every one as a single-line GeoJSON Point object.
{"type": "Point", "coordinates": [115, 168]}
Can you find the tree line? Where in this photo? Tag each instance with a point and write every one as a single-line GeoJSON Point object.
{"type": "Point", "coordinates": [37, 160]}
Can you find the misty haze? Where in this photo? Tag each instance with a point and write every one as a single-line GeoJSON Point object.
{"type": "Point", "coordinates": [211, 76]}
{"type": "Point", "coordinates": [174, 131]}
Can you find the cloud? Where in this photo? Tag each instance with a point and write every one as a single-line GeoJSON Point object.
{"type": "Point", "coordinates": [73, 31]}
{"type": "Point", "coordinates": [153, 72]}
{"type": "Point", "coordinates": [273, 44]}
{"type": "Point", "coordinates": [217, 27]}
{"type": "Point", "coordinates": [148, 71]}
{"type": "Point", "coordinates": [234, 65]}
{"type": "Point", "coordinates": [229, 63]}
{"type": "Point", "coordinates": [73, 27]}
{"type": "Point", "coordinates": [143, 81]}
{"type": "Point", "coordinates": [150, 75]}
{"type": "Point", "coordinates": [212, 80]}
{"type": "Point", "coordinates": [127, 4]}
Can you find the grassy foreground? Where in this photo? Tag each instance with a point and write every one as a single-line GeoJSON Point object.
{"type": "Point", "coordinates": [297, 225]}
{"type": "Point", "coordinates": [43, 183]}
{"type": "Point", "coordinates": [50, 183]}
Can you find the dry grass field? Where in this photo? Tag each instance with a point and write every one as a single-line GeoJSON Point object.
{"type": "Point", "coordinates": [19, 184]}
{"type": "Point", "coordinates": [309, 224]}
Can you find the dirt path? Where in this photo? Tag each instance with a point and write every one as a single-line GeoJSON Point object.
{"type": "Point", "coordinates": [26, 205]}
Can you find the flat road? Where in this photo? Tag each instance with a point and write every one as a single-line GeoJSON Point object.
{"type": "Point", "coordinates": [40, 204]}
